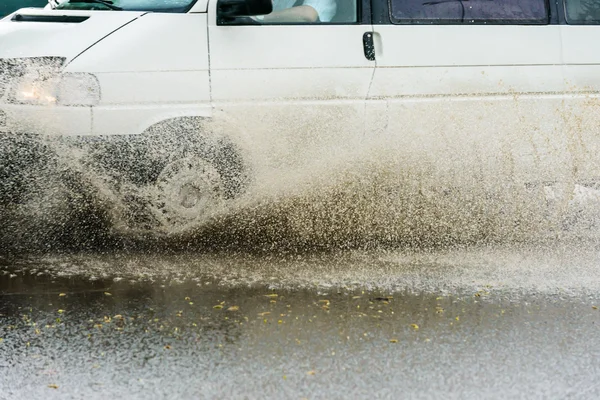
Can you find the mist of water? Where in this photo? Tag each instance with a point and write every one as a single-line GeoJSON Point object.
{"type": "Point", "coordinates": [446, 175]}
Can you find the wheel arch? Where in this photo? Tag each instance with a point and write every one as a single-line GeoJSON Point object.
{"type": "Point", "coordinates": [142, 157]}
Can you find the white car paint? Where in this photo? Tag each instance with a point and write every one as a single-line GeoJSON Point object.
{"type": "Point", "coordinates": [514, 94]}
{"type": "Point", "coordinates": [289, 84]}
{"type": "Point", "coordinates": [53, 121]}
{"type": "Point", "coordinates": [145, 74]}
{"type": "Point", "coordinates": [35, 39]}
{"type": "Point", "coordinates": [155, 69]}
{"type": "Point", "coordinates": [474, 92]}
{"type": "Point", "coordinates": [581, 69]}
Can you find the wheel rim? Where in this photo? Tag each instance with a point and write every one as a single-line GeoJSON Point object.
{"type": "Point", "coordinates": [188, 190]}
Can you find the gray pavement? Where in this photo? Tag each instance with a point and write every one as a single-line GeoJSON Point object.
{"type": "Point", "coordinates": [348, 325]}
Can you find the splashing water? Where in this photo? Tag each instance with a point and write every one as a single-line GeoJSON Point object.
{"type": "Point", "coordinates": [318, 187]}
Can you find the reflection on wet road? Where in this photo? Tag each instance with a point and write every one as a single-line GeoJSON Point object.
{"type": "Point", "coordinates": [182, 332]}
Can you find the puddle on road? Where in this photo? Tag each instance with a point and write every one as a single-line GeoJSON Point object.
{"type": "Point", "coordinates": [69, 335]}
{"type": "Point", "coordinates": [549, 269]}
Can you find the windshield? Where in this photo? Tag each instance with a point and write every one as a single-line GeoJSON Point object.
{"type": "Point", "coordinates": [10, 6]}
{"type": "Point", "coordinates": [173, 6]}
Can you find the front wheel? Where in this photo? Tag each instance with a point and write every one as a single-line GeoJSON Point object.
{"type": "Point", "coordinates": [186, 192]}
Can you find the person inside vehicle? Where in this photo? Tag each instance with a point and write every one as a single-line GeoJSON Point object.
{"type": "Point", "coordinates": [298, 11]}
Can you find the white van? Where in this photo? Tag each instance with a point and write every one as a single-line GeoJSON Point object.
{"type": "Point", "coordinates": [510, 83]}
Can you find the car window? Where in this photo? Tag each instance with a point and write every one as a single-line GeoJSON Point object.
{"type": "Point", "coordinates": [297, 12]}
{"type": "Point", "coordinates": [10, 6]}
{"type": "Point", "coordinates": [469, 11]}
{"type": "Point", "coordinates": [175, 6]}
{"type": "Point", "coordinates": [582, 12]}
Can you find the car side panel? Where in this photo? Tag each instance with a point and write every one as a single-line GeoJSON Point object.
{"type": "Point", "coordinates": [581, 54]}
{"type": "Point", "coordinates": [153, 69]}
{"type": "Point", "coordinates": [294, 93]}
{"type": "Point", "coordinates": [487, 99]}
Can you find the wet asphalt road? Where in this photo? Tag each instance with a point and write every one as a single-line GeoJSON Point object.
{"type": "Point", "coordinates": [76, 336]}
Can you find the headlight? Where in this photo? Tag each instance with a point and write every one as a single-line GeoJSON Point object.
{"type": "Point", "coordinates": [69, 89]}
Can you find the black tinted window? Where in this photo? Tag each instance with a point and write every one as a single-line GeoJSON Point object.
{"type": "Point", "coordinates": [470, 11]}
{"type": "Point", "coordinates": [581, 12]}
{"type": "Point", "coordinates": [9, 6]}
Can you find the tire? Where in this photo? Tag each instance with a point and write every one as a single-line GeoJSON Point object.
{"type": "Point", "coordinates": [173, 176]}
{"type": "Point", "coordinates": [187, 192]}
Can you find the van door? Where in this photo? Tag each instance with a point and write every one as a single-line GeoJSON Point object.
{"type": "Point", "coordinates": [472, 90]}
{"type": "Point", "coordinates": [292, 92]}
{"type": "Point", "coordinates": [581, 54]}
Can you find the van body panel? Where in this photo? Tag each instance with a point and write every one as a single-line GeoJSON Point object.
{"type": "Point", "coordinates": [298, 63]}
{"type": "Point", "coordinates": [156, 42]}
{"type": "Point", "coordinates": [159, 87]}
{"type": "Point", "coordinates": [230, 85]}
{"type": "Point", "coordinates": [111, 120]}
{"type": "Point", "coordinates": [293, 90]}
{"type": "Point", "coordinates": [132, 102]}
{"type": "Point", "coordinates": [513, 102]}
{"type": "Point", "coordinates": [148, 72]}
{"type": "Point", "coordinates": [580, 44]}
{"type": "Point", "coordinates": [581, 54]}
{"type": "Point", "coordinates": [446, 45]}
{"type": "Point", "coordinates": [39, 39]}
{"type": "Point", "coordinates": [467, 59]}
{"type": "Point", "coordinates": [295, 95]}
{"type": "Point", "coordinates": [466, 80]}
{"type": "Point", "coordinates": [581, 49]}
{"type": "Point", "coordinates": [51, 121]}
{"type": "Point", "coordinates": [482, 98]}
{"type": "Point", "coordinates": [287, 47]}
